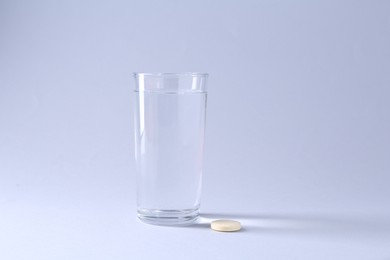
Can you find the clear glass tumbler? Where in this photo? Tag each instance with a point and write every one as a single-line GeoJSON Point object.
{"type": "Point", "coordinates": [170, 113]}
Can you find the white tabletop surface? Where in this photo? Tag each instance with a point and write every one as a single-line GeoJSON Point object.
{"type": "Point", "coordinates": [110, 230]}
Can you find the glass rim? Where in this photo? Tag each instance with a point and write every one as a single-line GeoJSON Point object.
{"type": "Point", "coordinates": [170, 74]}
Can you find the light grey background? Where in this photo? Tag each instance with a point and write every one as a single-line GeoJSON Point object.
{"type": "Point", "coordinates": [298, 123]}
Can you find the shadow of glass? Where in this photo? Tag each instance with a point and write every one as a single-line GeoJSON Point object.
{"type": "Point", "coordinates": [341, 226]}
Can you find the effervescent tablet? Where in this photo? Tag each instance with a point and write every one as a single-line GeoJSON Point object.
{"type": "Point", "coordinates": [225, 225]}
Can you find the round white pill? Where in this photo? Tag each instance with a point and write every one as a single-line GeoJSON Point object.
{"type": "Point", "coordinates": [225, 225]}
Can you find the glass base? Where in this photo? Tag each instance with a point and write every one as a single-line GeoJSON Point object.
{"type": "Point", "coordinates": [168, 217]}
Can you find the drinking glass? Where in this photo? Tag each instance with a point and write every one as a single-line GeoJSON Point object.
{"type": "Point", "coordinates": [170, 113]}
